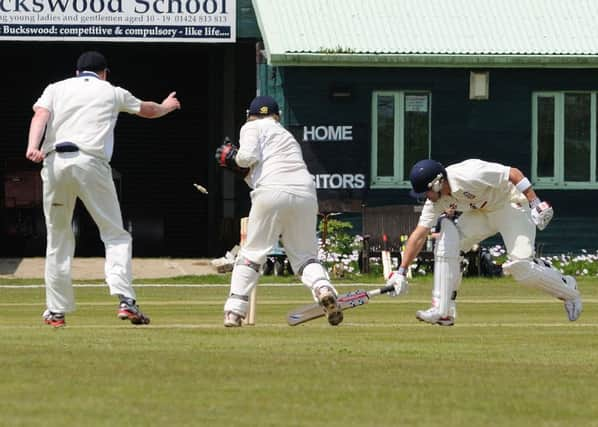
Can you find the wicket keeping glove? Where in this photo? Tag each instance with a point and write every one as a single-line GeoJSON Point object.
{"type": "Point", "coordinates": [542, 213]}
{"type": "Point", "coordinates": [399, 281]}
{"type": "Point", "coordinates": [225, 156]}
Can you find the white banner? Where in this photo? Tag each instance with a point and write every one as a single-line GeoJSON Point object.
{"type": "Point", "coordinates": [197, 21]}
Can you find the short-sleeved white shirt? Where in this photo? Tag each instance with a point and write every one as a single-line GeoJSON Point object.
{"type": "Point", "coordinates": [83, 111]}
{"type": "Point", "coordinates": [275, 158]}
{"type": "Point", "coordinates": [475, 184]}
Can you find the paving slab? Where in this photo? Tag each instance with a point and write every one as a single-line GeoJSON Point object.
{"type": "Point", "coordinates": [93, 268]}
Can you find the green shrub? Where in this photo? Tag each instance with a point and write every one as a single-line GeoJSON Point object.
{"type": "Point", "coordinates": [339, 250]}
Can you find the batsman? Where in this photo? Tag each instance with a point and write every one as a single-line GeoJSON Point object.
{"type": "Point", "coordinates": [494, 198]}
{"type": "Point", "coordinates": [283, 203]}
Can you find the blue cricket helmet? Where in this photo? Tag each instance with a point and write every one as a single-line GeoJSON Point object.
{"type": "Point", "coordinates": [423, 174]}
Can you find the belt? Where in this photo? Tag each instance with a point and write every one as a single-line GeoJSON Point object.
{"type": "Point", "coordinates": [66, 147]}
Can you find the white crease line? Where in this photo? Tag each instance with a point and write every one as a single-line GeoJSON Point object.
{"type": "Point", "coordinates": [103, 285]}
{"type": "Point", "coordinates": [158, 303]}
{"type": "Point", "coordinates": [297, 303]}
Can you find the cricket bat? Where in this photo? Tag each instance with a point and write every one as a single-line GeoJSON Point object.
{"type": "Point", "coordinates": [351, 300]}
{"type": "Point", "coordinates": [386, 260]}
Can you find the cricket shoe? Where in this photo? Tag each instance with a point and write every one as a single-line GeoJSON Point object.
{"type": "Point", "coordinates": [327, 300]}
{"type": "Point", "coordinates": [432, 315]}
{"type": "Point", "coordinates": [232, 319]}
{"type": "Point", "coordinates": [574, 306]}
{"type": "Point", "coordinates": [56, 320]}
{"type": "Point", "coordinates": [129, 310]}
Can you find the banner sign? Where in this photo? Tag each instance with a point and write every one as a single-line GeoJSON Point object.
{"type": "Point", "coordinates": [197, 21]}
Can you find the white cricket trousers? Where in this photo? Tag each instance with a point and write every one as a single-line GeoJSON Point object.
{"type": "Point", "coordinates": [275, 212]}
{"type": "Point", "coordinates": [513, 222]}
{"type": "Point", "coordinates": [66, 177]}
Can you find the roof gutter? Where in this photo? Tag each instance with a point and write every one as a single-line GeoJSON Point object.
{"type": "Point", "coordinates": [434, 60]}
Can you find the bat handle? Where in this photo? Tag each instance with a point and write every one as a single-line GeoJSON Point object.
{"type": "Point", "coordinates": [384, 290]}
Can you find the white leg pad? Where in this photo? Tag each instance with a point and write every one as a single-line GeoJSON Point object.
{"type": "Point", "coordinates": [540, 275]}
{"type": "Point", "coordinates": [244, 279]}
{"type": "Point", "coordinates": [314, 276]}
{"type": "Point", "coordinates": [447, 274]}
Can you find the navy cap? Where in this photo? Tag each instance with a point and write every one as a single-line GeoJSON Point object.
{"type": "Point", "coordinates": [91, 61]}
{"type": "Point", "coordinates": [263, 106]}
{"type": "Point", "coordinates": [422, 174]}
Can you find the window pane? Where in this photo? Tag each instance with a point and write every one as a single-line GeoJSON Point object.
{"type": "Point", "coordinates": [386, 135]}
{"type": "Point", "coordinates": [545, 121]}
{"type": "Point", "coordinates": [577, 136]}
{"type": "Point", "coordinates": [417, 130]}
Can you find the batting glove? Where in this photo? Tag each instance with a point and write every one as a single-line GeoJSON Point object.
{"type": "Point", "coordinates": [542, 213]}
{"type": "Point", "coordinates": [399, 281]}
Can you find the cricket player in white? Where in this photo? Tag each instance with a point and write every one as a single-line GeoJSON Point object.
{"type": "Point", "coordinates": [494, 198]}
{"type": "Point", "coordinates": [78, 116]}
{"type": "Point", "coordinates": [283, 202]}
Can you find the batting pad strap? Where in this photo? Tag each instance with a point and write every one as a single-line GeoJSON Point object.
{"type": "Point", "coordinates": [305, 264]}
{"type": "Point", "coordinates": [241, 297]}
{"type": "Point", "coordinates": [317, 280]}
{"type": "Point", "coordinates": [241, 260]}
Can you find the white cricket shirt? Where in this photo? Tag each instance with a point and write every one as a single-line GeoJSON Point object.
{"type": "Point", "coordinates": [83, 111]}
{"type": "Point", "coordinates": [475, 184]}
{"type": "Point", "coordinates": [275, 158]}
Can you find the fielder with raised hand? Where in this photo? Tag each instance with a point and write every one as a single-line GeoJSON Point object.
{"type": "Point", "coordinates": [494, 198]}
{"type": "Point", "coordinates": [283, 202]}
{"type": "Point", "coordinates": [78, 116]}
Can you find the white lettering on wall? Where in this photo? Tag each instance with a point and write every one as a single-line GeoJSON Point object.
{"type": "Point", "coordinates": [339, 181]}
{"type": "Point", "coordinates": [327, 133]}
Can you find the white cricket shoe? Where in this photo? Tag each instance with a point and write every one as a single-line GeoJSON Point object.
{"type": "Point", "coordinates": [327, 299]}
{"type": "Point", "coordinates": [574, 306]}
{"type": "Point", "coordinates": [232, 319]}
{"type": "Point", "coordinates": [56, 320]}
{"type": "Point", "coordinates": [432, 316]}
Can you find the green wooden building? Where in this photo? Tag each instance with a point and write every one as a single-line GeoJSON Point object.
{"type": "Point", "coordinates": [369, 88]}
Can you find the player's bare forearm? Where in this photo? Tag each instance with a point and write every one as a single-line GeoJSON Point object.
{"type": "Point", "coordinates": [414, 245]}
{"type": "Point", "coordinates": [516, 176]}
{"type": "Point", "coordinates": [542, 212]}
{"type": "Point", "coordinates": [36, 133]}
{"type": "Point", "coordinates": [153, 110]}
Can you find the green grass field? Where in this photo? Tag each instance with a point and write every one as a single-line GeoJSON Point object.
{"type": "Point", "coordinates": [512, 359]}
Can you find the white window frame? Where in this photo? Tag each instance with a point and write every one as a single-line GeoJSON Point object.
{"type": "Point", "coordinates": [395, 181]}
{"type": "Point", "coordinates": [558, 180]}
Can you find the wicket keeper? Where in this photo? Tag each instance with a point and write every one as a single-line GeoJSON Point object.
{"type": "Point", "coordinates": [283, 203]}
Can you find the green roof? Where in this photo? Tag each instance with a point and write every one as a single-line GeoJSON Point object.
{"type": "Point", "coordinates": [430, 33]}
